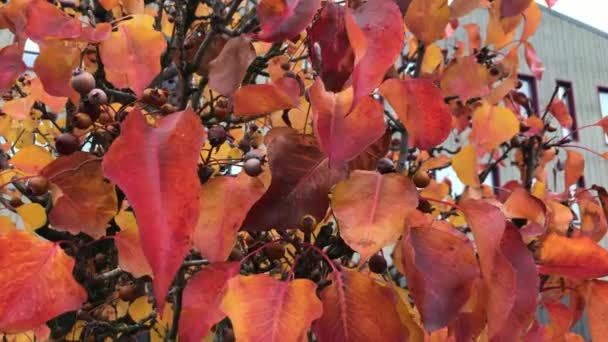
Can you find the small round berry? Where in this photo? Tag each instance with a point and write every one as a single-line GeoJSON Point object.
{"type": "Point", "coordinates": [67, 143]}
{"type": "Point", "coordinates": [168, 108]}
{"type": "Point", "coordinates": [91, 109]}
{"type": "Point", "coordinates": [425, 206]}
{"type": "Point", "coordinates": [104, 118]}
{"type": "Point", "coordinates": [307, 223]}
{"type": "Point", "coordinates": [236, 254]}
{"type": "Point", "coordinates": [385, 165]}
{"type": "Point", "coordinates": [217, 135]}
{"type": "Point", "coordinates": [15, 202]}
{"type": "Point", "coordinates": [97, 97]}
{"type": "Point", "coordinates": [82, 81]}
{"type": "Point", "coordinates": [275, 251]}
{"type": "Point", "coordinates": [253, 167]}
{"type": "Point", "coordinates": [82, 121]}
{"type": "Point", "coordinates": [252, 154]}
{"type": "Point", "coordinates": [244, 145]}
{"type": "Point", "coordinates": [377, 264]}
{"type": "Point", "coordinates": [38, 185]}
{"type": "Point", "coordinates": [421, 179]}
{"type": "Point", "coordinates": [128, 292]}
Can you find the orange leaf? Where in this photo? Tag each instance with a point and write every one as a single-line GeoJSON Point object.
{"type": "Point", "coordinates": [559, 110]}
{"type": "Point", "coordinates": [465, 165]}
{"type": "Point", "coordinates": [521, 204]}
{"type": "Point", "coordinates": [259, 99]}
{"type": "Point", "coordinates": [343, 135]}
{"type": "Point", "coordinates": [371, 209]}
{"type": "Point", "coordinates": [376, 34]}
{"type": "Point", "coordinates": [131, 55]}
{"type": "Point", "coordinates": [427, 19]}
{"type": "Point", "coordinates": [532, 17]}
{"type": "Point", "coordinates": [131, 256]}
{"type": "Point", "coordinates": [36, 282]}
{"type": "Point", "coordinates": [55, 103]}
{"type": "Point", "coordinates": [45, 21]}
{"type": "Point", "coordinates": [31, 159]}
{"type": "Point", "coordinates": [283, 19]}
{"type": "Point", "coordinates": [222, 213]}
{"type": "Point", "coordinates": [466, 79]}
{"type": "Point", "coordinates": [574, 168]}
{"type": "Point", "coordinates": [493, 125]}
{"type": "Point", "coordinates": [357, 308]}
{"type": "Point", "coordinates": [11, 58]}
{"type": "Point", "coordinates": [202, 298]}
{"type": "Point", "coordinates": [592, 214]}
{"type": "Point", "coordinates": [368, 159]}
{"type": "Point", "coordinates": [460, 8]}
{"type": "Point", "coordinates": [156, 169]}
{"type": "Point", "coordinates": [289, 307]}
{"type": "Point", "coordinates": [577, 258]}
{"type": "Point", "coordinates": [441, 269]}
{"type": "Point", "coordinates": [420, 106]}
{"type": "Point", "coordinates": [54, 67]}
{"type": "Point", "coordinates": [82, 200]}
{"type": "Point", "coordinates": [19, 108]}
{"type": "Point", "coordinates": [473, 36]}
{"type": "Point", "coordinates": [534, 63]}
{"type": "Point", "coordinates": [108, 4]}
{"type": "Point", "coordinates": [227, 70]}
{"type": "Point", "coordinates": [597, 309]}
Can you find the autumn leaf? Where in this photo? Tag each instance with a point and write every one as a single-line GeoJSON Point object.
{"type": "Point", "coordinates": [54, 67]}
{"type": "Point", "coordinates": [421, 109]}
{"type": "Point", "coordinates": [427, 19]}
{"type": "Point", "coordinates": [574, 168]}
{"type": "Point", "coordinates": [202, 298]}
{"type": "Point", "coordinates": [19, 108]}
{"type": "Point", "coordinates": [31, 159]}
{"type": "Point", "coordinates": [357, 308]}
{"type": "Point", "coordinates": [284, 19]}
{"type": "Point", "coordinates": [509, 8]}
{"type": "Point", "coordinates": [597, 304]}
{"type": "Point", "coordinates": [371, 209]}
{"type": "Point", "coordinates": [12, 65]}
{"type": "Point", "coordinates": [492, 125]}
{"type": "Point", "coordinates": [441, 269]}
{"type": "Point", "coordinates": [520, 204]}
{"type": "Point", "coordinates": [459, 8]}
{"type": "Point", "coordinates": [36, 282]}
{"type": "Point", "coordinates": [534, 63]}
{"type": "Point", "coordinates": [301, 181]}
{"type": "Point", "coordinates": [156, 169]}
{"type": "Point", "coordinates": [259, 99]}
{"type": "Point", "coordinates": [83, 201]}
{"type": "Point", "coordinates": [131, 256]}
{"type": "Point", "coordinates": [33, 215]}
{"type": "Point", "coordinates": [466, 79]}
{"type": "Point", "coordinates": [473, 36]}
{"type": "Point", "coordinates": [224, 203]}
{"type": "Point", "coordinates": [228, 69]}
{"type": "Point", "coordinates": [560, 112]}
{"type": "Point", "coordinates": [344, 134]}
{"type": "Point", "coordinates": [45, 21]}
{"type": "Point", "coordinates": [465, 165]}
{"type": "Point", "coordinates": [577, 258]}
{"type": "Point", "coordinates": [289, 308]}
{"type": "Point", "coordinates": [368, 159]}
{"type": "Point", "coordinates": [131, 55]}
{"type": "Point", "coordinates": [329, 48]}
{"type": "Point", "coordinates": [376, 34]}
{"type": "Point", "coordinates": [532, 16]}
{"type": "Point", "coordinates": [55, 103]}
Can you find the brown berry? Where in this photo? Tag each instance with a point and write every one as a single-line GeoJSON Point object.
{"type": "Point", "coordinates": [104, 118]}
{"type": "Point", "coordinates": [516, 141]}
{"type": "Point", "coordinates": [421, 179]}
{"type": "Point", "coordinates": [38, 185]}
{"type": "Point", "coordinates": [236, 254]}
{"type": "Point", "coordinates": [425, 206]}
{"type": "Point", "coordinates": [307, 223]}
{"type": "Point", "coordinates": [67, 143]}
{"type": "Point", "coordinates": [97, 97]}
{"type": "Point", "coordinates": [15, 202]}
{"type": "Point", "coordinates": [82, 81]}
{"type": "Point", "coordinates": [253, 167]}
{"type": "Point", "coordinates": [155, 97]}
{"type": "Point", "coordinates": [82, 121]}
{"type": "Point", "coordinates": [168, 108]}
{"type": "Point", "coordinates": [252, 154]}
{"type": "Point", "coordinates": [128, 292]}
{"type": "Point", "coordinates": [377, 264]}
{"type": "Point", "coordinates": [217, 135]}
{"type": "Point", "coordinates": [275, 251]}
{"type": "Point", "coordinates": [91, 109]}
{"type": "Point", "coordinates": [385, 165]}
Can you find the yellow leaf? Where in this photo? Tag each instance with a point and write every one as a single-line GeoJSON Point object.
{"type": "Point", "coordinates": [140, 308]}
{"type": "Point", "coordinates": [32, 159]}
{"type": "Point", "coordinates": [493, 125]}
{"type": "Point", "coordinates": [465, 165]}
{"type": "Point", "coordinates": [433, 57]}
{"type": "Point", "coordinates": [33, 215]}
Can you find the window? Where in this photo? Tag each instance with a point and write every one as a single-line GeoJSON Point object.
{"type": "Point", "coordinates": [492, 180]}
{"type": "Point", "coordinates": [528, 88]}
{"type": "Point", "coordinates": [603, 97]}
{"type": "Point", "coordinates": [30, 53]}
{"type": "Point", "coordinates": [565, 93]}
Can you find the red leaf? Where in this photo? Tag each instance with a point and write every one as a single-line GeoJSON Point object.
{"type": "Point", "coordinates": [44, 21]}
{"type": "Point", "coordinates": [534, 63]}
{"type": "Point", "coordinates": [36, 282]}
{"type": "Point", "coordinates": [420, 106]}
{"type": "Point", "coordinates": [54, 67]}
{"type": "Point", "coordinates": [222, 213]}
{"type": "Point", "coordinates": [329, 48]}
{"type": "Point", "coordinates": [97, 34]}
{"type": "Point", "coordinates": [284, 19]}
{"type": "Point", "coordinates": [507, 268]}
{"type": "Point", "coordinates": [202, 298]}
{"type": "Point", "coordinates": [376, 34]}
{"type": "Point", "coordinates": [11, 59]}
{"type": "Point", "coordinates": [343, 135]}
{"type": "Point", "coordinates": [559, 110]}
{"type": "Point", "coordinates": [551, 3]}
{"type": "Point", "coordinates": [156, 169]}
{"type": "Point", "coordinates": [262, 308]}
{"type": "Point", "coordinates": [371, 209]}
{"type": "Point", "coordinates": [357, 308]}
{"type": "Point", "coordinates": [577, 258]}
{"type": "Point", "coordinates": [301, 181]}
{"type": "Point", "coordinates": [368, 159]}
{"type": "Point", "coordinates": [509, 8]}
{"type": "Point", "coordinates": [228, 69]}
{"type": "Point", "coordinates": [597, 309]}
{"type": "Point", "coordinates": [131, 256]}
{"type": "Point", "coordinates": [441, 269]}
{"type": "Point", "coordinates": [83, 201]}
{"type": "Point", "coordinates": [258, 99]}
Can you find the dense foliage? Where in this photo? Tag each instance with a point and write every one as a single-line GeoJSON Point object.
{"type": "Point", "coordinates": [228, 169]}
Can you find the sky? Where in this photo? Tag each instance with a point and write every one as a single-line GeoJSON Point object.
{"type": "Point", "coordinates": [590, 12]}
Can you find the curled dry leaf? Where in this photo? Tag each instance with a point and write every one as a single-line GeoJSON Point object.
{"type": "Point", "coordinates": [371, 209]}
{"type": "Point", "coordinates": [36, 282]}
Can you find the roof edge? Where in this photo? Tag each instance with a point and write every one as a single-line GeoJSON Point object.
{"type": "Point", "coordinates": [574, 21]}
